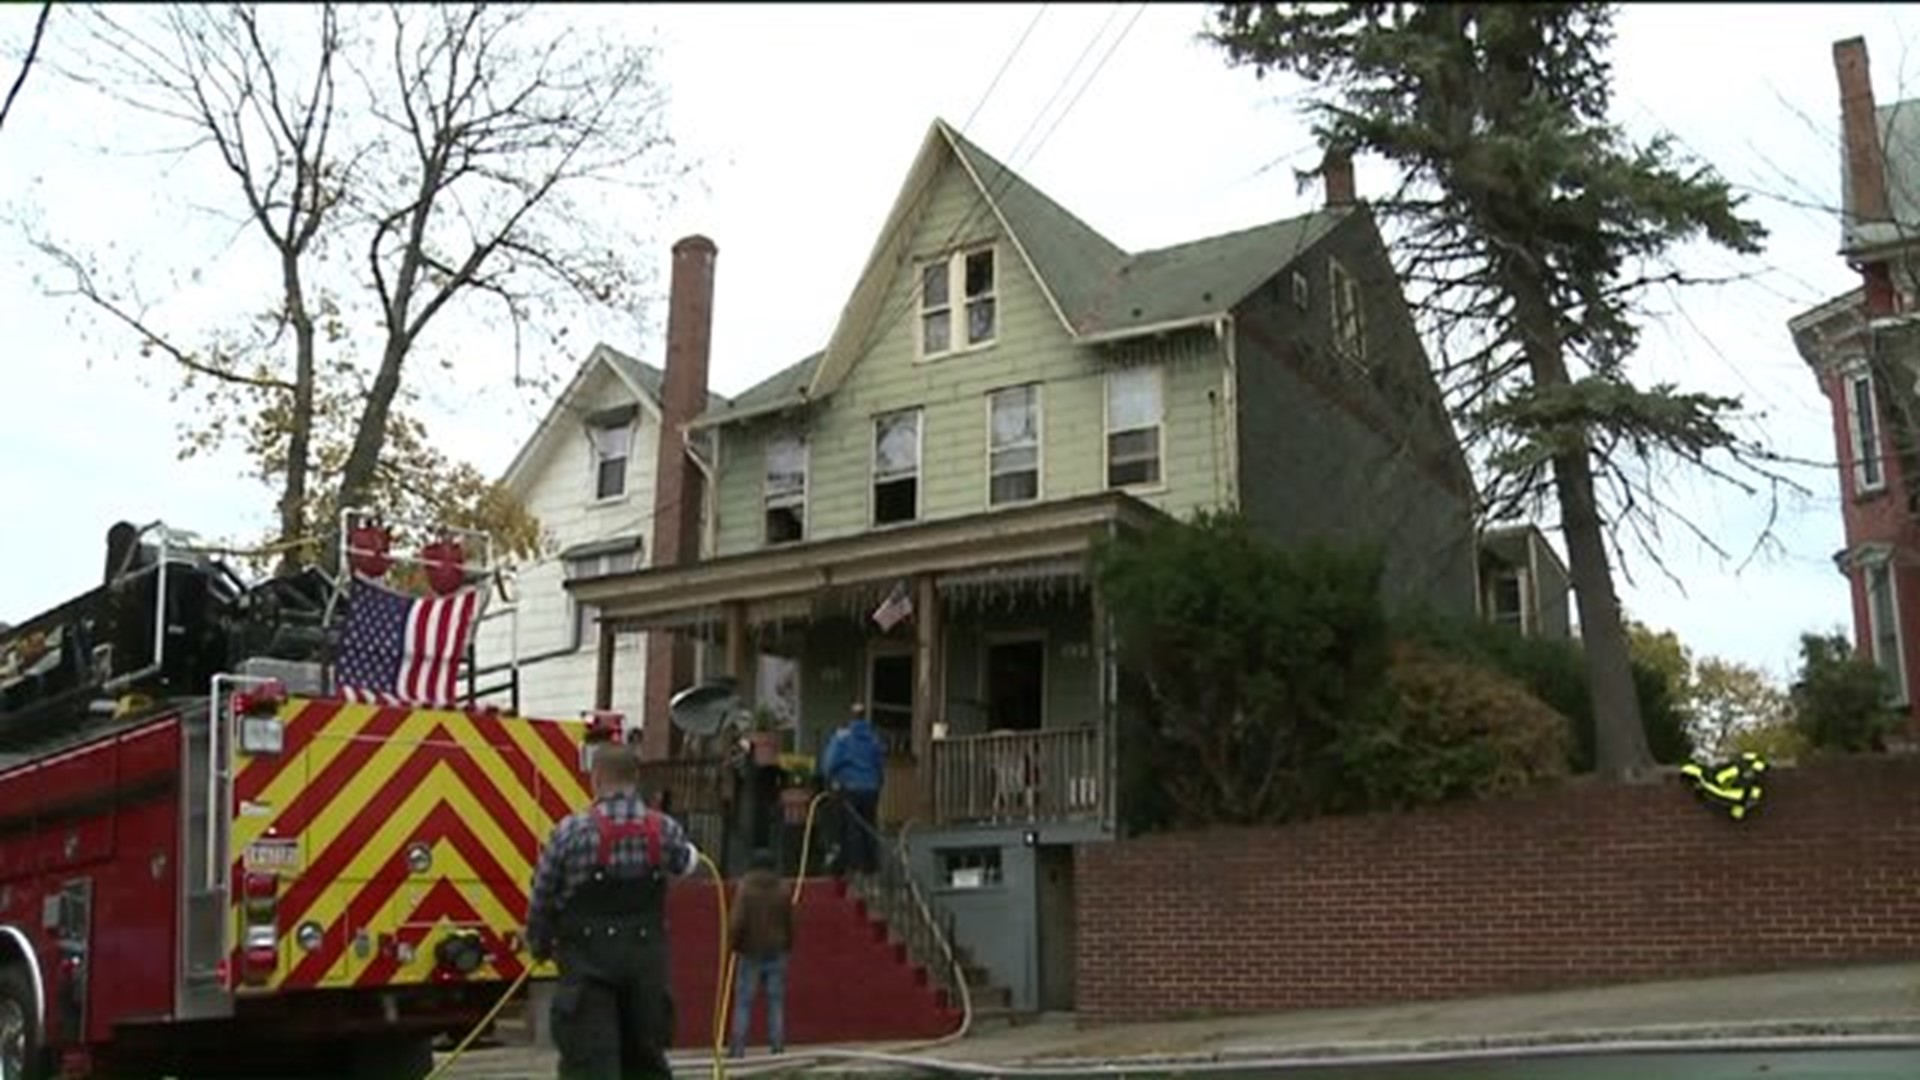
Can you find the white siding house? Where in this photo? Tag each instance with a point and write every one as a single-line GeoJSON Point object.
{"type": "Point", "coordinates": [587, 475]}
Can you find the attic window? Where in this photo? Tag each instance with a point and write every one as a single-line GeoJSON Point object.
{"type": "Point", "coordinates": [1300, 292]}
{"type": "Point", "coordinates": [612, 445]}
{"type": "Point", "coordinates": [970, 277]}
{"type": "Point", "coordinates": [1349, 327]}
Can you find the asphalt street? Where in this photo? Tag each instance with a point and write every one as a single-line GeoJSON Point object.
{"type": "Point", "coordinates": [1781, 1065]}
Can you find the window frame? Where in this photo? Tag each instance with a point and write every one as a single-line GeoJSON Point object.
{"type": "Point", "coordinates": [585, 630]}
{"type": "Point", "coordinates": [958, 305]}
{"type": "Point", "coordinates": [1342, 285]}
{"type": "Point", "coordinates": [874, 481]}
{"type": "Point", "coordinates": [770, 502]}
{"type": "Point", "coordinates": [1881, 567]}
{"type": "Point", "coordinates": [1039, 446]}
{"type": "Point", "coordinates": [1159, 482]}
{"type": "Point", "coordinates": [597, 458]}
{"type": "Point", "coordinates": [1868, 466]}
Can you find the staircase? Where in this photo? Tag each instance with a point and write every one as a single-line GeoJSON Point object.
{"type": "Point", "coordinates": [897, 905]}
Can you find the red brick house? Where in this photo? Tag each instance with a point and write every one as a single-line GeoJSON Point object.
{"type": "Point", "coordinates": [1864, 348]}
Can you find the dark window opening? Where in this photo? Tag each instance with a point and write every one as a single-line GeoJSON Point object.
{"type": "Point", "coordinates": [890, 704]}
{"type": "Point", "coordinates": [895, 501]}
{"type": "Point", "coordinates": [1016, 685]}
{"type": "Point", "coordinates": [786, 524]}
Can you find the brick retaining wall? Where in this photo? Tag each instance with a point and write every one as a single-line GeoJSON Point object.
{"type": "Point", "coordinates": [1584, 884]}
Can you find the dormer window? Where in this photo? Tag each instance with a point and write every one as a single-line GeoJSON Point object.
{"type": "Point", "coordinates": [963, 284]}
{"type": "Point", "coordinates": [611, 438]}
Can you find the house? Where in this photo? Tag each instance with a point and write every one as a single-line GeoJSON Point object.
{"type": "Point", "coordinates": [905, 516]}
{"type": "Point", "coordinates": [587, 473]}
{"type": "Point", "coordinates": [1864, 350]}
{"type": "Point", "coordinates": [1523, 583]}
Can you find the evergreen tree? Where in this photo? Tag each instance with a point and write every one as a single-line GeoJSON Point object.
{"type": "Point", "coordinates": [1532, 223]}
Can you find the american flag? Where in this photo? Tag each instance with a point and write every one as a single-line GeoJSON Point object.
{"type": "Point", "coordinates": [404, 650]}
{"type": "Point", "coordinates": [897, 606]}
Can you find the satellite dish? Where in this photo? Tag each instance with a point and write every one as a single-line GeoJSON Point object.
{"type": "Point", "coordinates": [704, 709]}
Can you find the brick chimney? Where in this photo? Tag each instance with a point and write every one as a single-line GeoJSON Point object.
{"type": "Point", "coordinates": [1866, 162]}
{"type": "Point", "coordinates": [1336, 173]}
{"type": "Point", "coordinates": [678, 486]}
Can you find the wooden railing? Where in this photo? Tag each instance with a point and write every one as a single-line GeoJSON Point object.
{"type": "Point", "coordinates": [1027, 776]}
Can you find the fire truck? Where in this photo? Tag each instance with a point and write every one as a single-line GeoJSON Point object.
{"type": "Point", "coordinates": [214, 861]}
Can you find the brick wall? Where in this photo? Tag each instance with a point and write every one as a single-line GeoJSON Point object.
{"type": "Point", "coordinates": [1585, 884]}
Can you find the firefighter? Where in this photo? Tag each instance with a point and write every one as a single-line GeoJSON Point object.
{"type": "Point", "coordinates": [1734, 785]}
{"type": "Point", "coordinates": [598, 907]}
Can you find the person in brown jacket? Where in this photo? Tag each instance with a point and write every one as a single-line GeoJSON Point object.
{"type": "Point", "coordinates": [762, 936]}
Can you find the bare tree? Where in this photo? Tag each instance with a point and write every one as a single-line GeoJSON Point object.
{"type": "Point", "coordinates": [26, 62]}
{"type": "Point", "coordinates": [399, 161]}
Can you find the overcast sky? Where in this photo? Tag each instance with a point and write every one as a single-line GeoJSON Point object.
{"type": "Point", "coordinates": [803, 121]}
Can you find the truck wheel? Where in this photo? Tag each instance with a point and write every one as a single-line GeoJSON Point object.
{"type": "Point", "coordinates": [19, 1028]}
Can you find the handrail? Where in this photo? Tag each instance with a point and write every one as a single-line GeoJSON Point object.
{"type": "Point", "coordinates": [895, 859]}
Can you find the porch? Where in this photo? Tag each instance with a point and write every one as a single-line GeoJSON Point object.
{"type": "Point", "coordinates": [992, 690]}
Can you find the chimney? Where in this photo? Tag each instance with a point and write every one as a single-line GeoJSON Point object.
{"type": "Point", "coordinates": [1860, 131]}
{"type": "Point", "coordinates": [678, 487]}
{"type": "Point", "coordinates": [1336, 172]}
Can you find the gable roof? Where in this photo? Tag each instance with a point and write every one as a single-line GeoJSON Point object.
{"type": "Point", "coordinates": [643, 379]}
{"type": "Point", "coordinates": [1097, 290]}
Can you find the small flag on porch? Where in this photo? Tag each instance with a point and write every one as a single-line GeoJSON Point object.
{"type": "Point", "coordinates": [896, 607]}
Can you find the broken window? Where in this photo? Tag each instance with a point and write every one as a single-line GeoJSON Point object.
{"type": "Point", "coordinates": [896, 467]}
{"type": "Point", "coordinates": [1013, 448]}
{"type": "Point", "coordinates": [969, 275]}
{"type": "Point", "coordinates": [786, 490]}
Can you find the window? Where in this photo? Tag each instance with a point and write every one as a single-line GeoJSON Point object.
{"type": "Point", "coordinates": [612, 445]}
{"type": "Point", "coordinates": [586, 617]}
{"type": "Point", "coordinates": [968, 276]}
{"type": "Point", "coordinates": [1883, 621]}
{"type": "Point", "coordinates": [1013, 445]}
{"type": "Point", "coordinates": [1134, 412]}
{"type": "Point", "coordinates": [896, 467]}
{"type": "Point", "coordinates": [970, 868]}
{"type": "Point", "coordinates": [1508, 599]}
{"type": "Point", "coordinates": [1349, 330]}
{"type": "Point", "coordinates": [786, 495]}
{"type": "Point", "coordinates": [1863, 429]}
{"type": "Point", "coordinates": [1300, 293]}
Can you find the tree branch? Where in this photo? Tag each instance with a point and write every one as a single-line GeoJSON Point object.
{"type": "Point", "coordinates": [26, 64]}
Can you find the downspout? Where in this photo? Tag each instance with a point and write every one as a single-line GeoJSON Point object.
{"type": "Point", "coordinates": [1225, 331]}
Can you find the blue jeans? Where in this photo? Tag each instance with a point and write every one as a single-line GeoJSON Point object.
{"type": "Point", "coordinates": [753, 970]}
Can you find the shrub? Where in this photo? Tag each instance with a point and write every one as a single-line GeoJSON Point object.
{"type": "Point", "coordinates": [1246, 661]}
{"type": "Point", "coordinates": [1457, 731]}
{"type": "Point", "coordinates": [1555, 672]}
{"type": "Point", "coordinates": [1840, 699]}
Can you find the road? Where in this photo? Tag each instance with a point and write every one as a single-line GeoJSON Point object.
{"type": "Point", "coordinates": [1773, 1065]}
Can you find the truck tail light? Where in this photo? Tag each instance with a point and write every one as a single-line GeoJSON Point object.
{"type": "Point", "coordinates": [260, 943]}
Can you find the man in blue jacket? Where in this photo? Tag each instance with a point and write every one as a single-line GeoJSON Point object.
{"type": "Point", "coordinates": [855, 765]}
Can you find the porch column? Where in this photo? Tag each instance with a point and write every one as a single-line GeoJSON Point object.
{"type": "Point", "coordinates": [739, 651]}
{"type": "Point", "coordinates": [603, 672]}
{"type": "Point", "coordinates": [926, 690]}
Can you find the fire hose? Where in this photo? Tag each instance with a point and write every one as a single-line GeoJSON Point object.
{"type": "Point", "coordinates": [728, 966]}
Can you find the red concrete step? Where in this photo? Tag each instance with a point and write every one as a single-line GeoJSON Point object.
{"type": "Point", "coordinates": [846, 981]}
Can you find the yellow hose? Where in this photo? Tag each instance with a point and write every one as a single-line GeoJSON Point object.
{"type": "Point", "coordinates": [728, 965]}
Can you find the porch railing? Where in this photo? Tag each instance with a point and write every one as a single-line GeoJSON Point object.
{"type": "Point", "coordinates": [695, 790]}
{"type": "Point", "coordinates": [1054, 775]}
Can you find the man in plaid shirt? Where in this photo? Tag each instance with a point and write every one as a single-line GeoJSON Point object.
{"type": "Point", "coordinates": [598, 906]}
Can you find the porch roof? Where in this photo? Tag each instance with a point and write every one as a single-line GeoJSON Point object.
{"type": "Point", "coordinates": [670, 594]}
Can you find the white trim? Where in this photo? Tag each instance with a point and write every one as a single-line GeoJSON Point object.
{"type": "Point", "coordinates": [958, 324]}
{"type": "Point", "coordinates": [1885, 565]}
{"type": "Point", "coordinates": [1128, 333]}
{"type": "Point", "coordinates": [1107, 433]}
{"type": "Point", "coordinates": [1039, 445]}
{"type": "Point", "coordinates": [919, 466]}
{"type": "Point", "coordinates": [1865, 458]}
{"type": "Point", "coordinates": [1015, 637]}
{"type": "Point", "coordinates": [1019, 246]}
{"type": "Point", "coordinates": [806, 487]}
{"type": "Point", "coordinates": [1225, 331]}
{"type": "Point", "coordinates": [563, 406]}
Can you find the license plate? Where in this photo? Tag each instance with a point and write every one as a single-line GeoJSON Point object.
{"type": "Point", "coordinates": [273, 855]}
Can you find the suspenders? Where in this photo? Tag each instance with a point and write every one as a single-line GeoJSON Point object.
{"type": "Point", "coordinates": [611, 832]}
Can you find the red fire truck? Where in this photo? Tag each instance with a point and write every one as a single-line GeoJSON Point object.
{"type": "Point", "coordinates": [212, 863]}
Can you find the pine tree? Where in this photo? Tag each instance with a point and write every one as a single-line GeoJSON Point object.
{"type": "Point", "coordinates": [1532, 223]}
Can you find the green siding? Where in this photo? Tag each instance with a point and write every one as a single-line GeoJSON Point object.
{"type": "Point", "coordinates": [1031, 346]}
